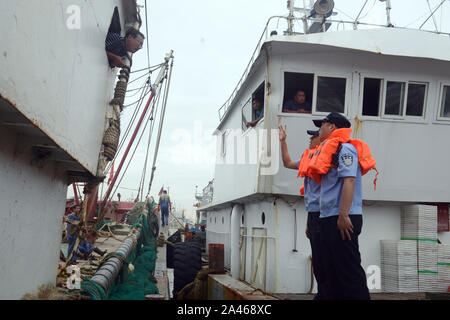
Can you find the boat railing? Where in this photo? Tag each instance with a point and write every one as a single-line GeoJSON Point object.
{"type": "Point", "coordinates": [207, 195]}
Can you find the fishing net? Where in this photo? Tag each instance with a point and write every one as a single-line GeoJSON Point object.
{"type": "Point", "coordinates": [136, 279]}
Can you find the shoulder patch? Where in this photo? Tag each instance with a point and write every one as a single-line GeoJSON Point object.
{"type": "Point", "coordinates": [347, 159]}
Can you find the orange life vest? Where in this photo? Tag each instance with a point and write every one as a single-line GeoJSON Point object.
{"type": "Point", "coordinates": [303, 166]}
{"type": "Point", "coordinates": [302, 188]}
{"type": "Point", "coordinates": [304, 162]}
{"type": "Point", "coordinates": [322, 159]}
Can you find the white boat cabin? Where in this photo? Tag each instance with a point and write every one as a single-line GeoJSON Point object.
{"type": "Point", "coordinates": [394, 87]}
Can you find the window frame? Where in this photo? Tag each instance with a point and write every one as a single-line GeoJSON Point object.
{"type": "Point", "coordinates": [245, 130]}
{"type": "Point", "coordinates": [405, 100]}
{"type": "Point", "coordinates": [383, 101]}
{"type": "Point", "coordinates": [223, 143]}
{"type": "Point", "coordinates": [361, 96]}
{"type": "Point", "coordinates": [314, 112]}
{"type": "Point", "coordinates": [315, 87]}
{"type": "Point", "coordinates": [425, 99]}
{"type": "Point", "coordinates": [382, 105]}
{"type": "Point", "coordinates": [442, 84]}
{"type": "Point", "coordinates": [242, 114]}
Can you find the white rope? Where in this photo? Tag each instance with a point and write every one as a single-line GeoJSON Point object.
{"type": "Point", "coordinates": [161, 122]}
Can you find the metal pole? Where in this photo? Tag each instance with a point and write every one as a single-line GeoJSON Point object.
{"type": "Point", "coordinates": [138, 125]}
{"type": "Point", "coordinates": [108, 192]}
{"type": "Point", "coordinates": [75, 194]}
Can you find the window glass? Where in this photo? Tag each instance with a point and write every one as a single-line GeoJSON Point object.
{"type": "Point", "coordinates": [416, 99]}
{"type": "Point", "coordinates": [298, 92]}
{"type": "Point", "coordinates": [371, 97]}
{"type": "Point", "coordinates": [445, 107]}
{"type": "Point", "coordinates": [395, 93]}
{"type": "Point", "coordinates": [330, 94]}
{"type": "Point", "coordinates": [224, 143]}
{"type": "Point", "coordinates": [247, 114]}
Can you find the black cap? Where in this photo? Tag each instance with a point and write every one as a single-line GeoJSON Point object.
{"type": "Point", "coordinates": [336, 118]}
{"type": "Point", "coordinates": [313, 133]}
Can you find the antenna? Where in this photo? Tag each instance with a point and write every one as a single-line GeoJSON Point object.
{"type": "Point", "coordinates": [318, 10]}
{"type": "Point", "coordinates": [388, 12]}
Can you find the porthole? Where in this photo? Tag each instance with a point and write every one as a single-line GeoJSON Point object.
{"type": "Point", "coordinates": [263, 218]}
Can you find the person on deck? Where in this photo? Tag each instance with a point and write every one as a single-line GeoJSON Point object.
{"type": "Point", "coordinates": [74, 231]}
{"type": "Point", "coordinates": [117, 47]}
{"type": "Point", "coordinates": [164, 204]}
{"type": "Point", "coordinates": [312, 203]}
{"type": "Point", "coordinates": [298, 104]}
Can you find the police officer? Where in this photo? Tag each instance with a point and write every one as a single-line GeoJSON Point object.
{"type": "Point", "coordinates": [341, 217]}
{"type": "Point", "coordinates": [312, 195]}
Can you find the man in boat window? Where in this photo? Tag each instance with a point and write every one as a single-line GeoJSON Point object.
{"type": "Point", "coordinates": [164, 204]}
{"type": "Point", "coordinates": [258, 113]}
{"type": "Point", "coordinates": [117, 47]}
{"type": "Point", "coordinates": [298, 104]}
{"type": "Point", "coordinates": [312, 204]}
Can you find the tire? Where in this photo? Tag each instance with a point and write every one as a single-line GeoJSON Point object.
{"type": "Point", "coordinates": [187, 261]}
{"type": "Point", "coordinates": [176, 237]}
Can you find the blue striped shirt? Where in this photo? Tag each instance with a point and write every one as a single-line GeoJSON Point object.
{"type": "Point", "coordinates": [115, 44]}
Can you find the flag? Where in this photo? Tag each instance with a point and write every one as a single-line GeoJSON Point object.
{"type": "Point", "coordinates": [161, 191]}
{"type": "Point", "coordinates": [111, 173]}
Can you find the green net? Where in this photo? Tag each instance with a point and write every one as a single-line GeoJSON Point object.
{"type": "Point", "coordinates": [132, 283]}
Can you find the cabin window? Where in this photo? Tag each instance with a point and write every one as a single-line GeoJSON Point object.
{"type": "Point", "coordinates": [253, 109]}
{"type": "Point", "coordinates": [405, 99]}
{"type": "Point", "coordinates": [445, 102]}
{"type": "Point", "coordinates": [416, 99]}
{"type": "Point", "coordinates": [372, 97]}
{"type": "Point", "coordinates": [330, 94]}
{"type": "Point", "coordinates": [298, 92]}
{"type": "Point", "coordinates": [395, 93]}
{"type": "Point", "coordinates": [224, 143]}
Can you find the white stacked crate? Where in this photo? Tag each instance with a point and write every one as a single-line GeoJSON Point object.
{"type": "Point", "coordinates": [399, 266]}
{"type": "Point", "coordinates": [443, 267]}
{"type": "Point", "coordinates": [419, 223]}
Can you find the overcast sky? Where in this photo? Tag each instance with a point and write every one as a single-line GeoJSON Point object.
{"type": "Point", "coordinates": [213, 42]}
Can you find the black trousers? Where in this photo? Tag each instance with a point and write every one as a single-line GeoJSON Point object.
{"type": "Point", "coordinates": [313, 224]}
{"type": "Point", "coordinates": [345, 279]}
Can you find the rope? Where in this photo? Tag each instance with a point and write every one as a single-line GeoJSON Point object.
{"type": "Point", "coordinates": [127, 131]}
{"type": "Point", "coordinates": [141, 186]}
{"type": "Point", "coordinates": [146, 30]}
{"type": "Point", "coordinates": [93, 289]}
{"type": "Point", "coordinates": [432, 14]}
{"type": "Point", "coordinates": [152, 68]}
{"type": "Point", "coordinates": [161, 122]}
{"type": "Point", "coordinates": [129, 162]}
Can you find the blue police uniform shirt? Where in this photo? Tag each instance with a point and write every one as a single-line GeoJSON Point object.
{"type": "Point", "coordinates": [290, 105]}
{"type": "Point", "coordinates": [332, 183]}
{"type": "Point", "coordinates": [312, 194]}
